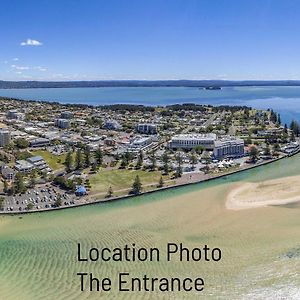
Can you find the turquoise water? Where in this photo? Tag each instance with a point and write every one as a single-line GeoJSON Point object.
{"type": "Point", "coordinates": [285, 100]}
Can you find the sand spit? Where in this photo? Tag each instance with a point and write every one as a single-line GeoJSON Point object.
{"type": "Point", "coordinates": [271, 192]}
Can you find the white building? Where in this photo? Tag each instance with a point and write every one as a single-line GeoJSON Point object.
{"type": "Point", "coordinates": [190, 141]}
{"type": "Point", "coordinates": [66, 115]}
{"type": "Point", "coordinates": [140, 144]}
{"type": "Point", "coordinates": [4, 137]}
{"type": "Point", "coordinates": [146, 128]}
{"type": "Point", "coordinates": [229, 147]}
{"type": "Point", "coordinates": [14, 114]}
{"type": "Point", "coordinates": [62, 123]}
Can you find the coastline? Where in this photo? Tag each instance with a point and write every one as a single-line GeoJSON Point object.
{"type": "Point", "coordinates": [125, 197]}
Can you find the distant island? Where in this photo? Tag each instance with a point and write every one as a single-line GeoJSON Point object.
{"type": "Point", "coordinates": [207, 84]}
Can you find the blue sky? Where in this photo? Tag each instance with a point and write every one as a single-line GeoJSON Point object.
{"type": "Point", "coordinates": [153, 39]}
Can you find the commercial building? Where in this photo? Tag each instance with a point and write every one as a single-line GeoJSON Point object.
{"type": "Point", "coordinates": [66, 115]}
{"type": "Point", "coordinates": [190, 141]}
{"type": "Point", "coordinates": [35, 162]}
{"type": "Point", "coordinates": [62, 123]}
{"type": "Point", "coordinates": [228, 147]}
{"type": "Point", "coordinates": [40, 142]}
{"type": "Point", "coordinates": [140, 144]}
{"type": "Point", "coordinates": [38, 163]}
{"type": "Point", "coordinates": [15, 115]}
{"type": "Point", "coordinates": [112, 125]}
{"type": "Point", "coordinates": [23, 166]}
{"type": "Point", "coordinates": [8, 173]}
{"type": "Point", "coordinates": [146, 128]}
{"type": "Point", "coordinates": [4, 137]}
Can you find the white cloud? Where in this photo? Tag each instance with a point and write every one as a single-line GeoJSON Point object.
{"type": "Point", "coordinates": [42, 69]}
{"type": "Point", "coordinates": [19, 67]}
{"type": "Point", "coordinates": [30, 42]}
{"type": "Point", "coordinates": [15, 59]}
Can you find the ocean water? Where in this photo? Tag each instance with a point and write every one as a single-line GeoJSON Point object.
{"type": "Point", "coordinates": [260, 247]}
{"type": "Point", "coordinates": [285, 100]}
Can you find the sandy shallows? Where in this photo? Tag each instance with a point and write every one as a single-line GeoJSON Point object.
{"type": "Point", "coordinates": [271, 192]}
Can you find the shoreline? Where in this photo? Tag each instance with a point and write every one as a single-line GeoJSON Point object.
{"type": "Point", "coordinates": [124, 197]}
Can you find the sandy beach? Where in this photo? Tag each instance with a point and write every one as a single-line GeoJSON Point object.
{"type": "Point", "coordinates": [271, 192]}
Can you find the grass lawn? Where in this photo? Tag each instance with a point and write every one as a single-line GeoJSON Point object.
{"type": "Point", "coordinates": [55, 162]}
{"type": "Point", "coordinates": [121, 179]}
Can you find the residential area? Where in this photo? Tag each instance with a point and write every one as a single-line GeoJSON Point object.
{"type": "Point", "coordinates": [54, 155]}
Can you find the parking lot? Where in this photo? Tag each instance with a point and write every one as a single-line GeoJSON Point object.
{"type": "Point", "coordinates": [38, 198]}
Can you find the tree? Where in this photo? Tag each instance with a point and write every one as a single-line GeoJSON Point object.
{"type": "Point", "coordinates": [126, 158]}
{"type": "Point", "coordinates": [199, 149]}
{"type": "Point", "coordinates": [193, 159]}
{"type": "Point", "coordinates": [279, 119]}
{"type": "Point", "coordinates": [161, 182]}
{"type": "Point", "coordinates": [29, 206]}
{"type": "Point", "coordinates": [165, 159]}
{"type": "Point", "coordinates": [69, 162]}
{"type": "Point", "coordinates": [94, 167]}
{"type": "Point", "coordinates": [140, 160]}
{"type": "Point", "coordinates": [276, 149]}
{"type": "Point", "coordinates": [21, 143]}
{"type": "Point", "coordinates": [2, 200]}
{"type": "Point", "coordinates": [295, 128]}
{"type": "Point", "coordinates": [267, 151]}
{"type": "Point", "coordinates": [179, 160]}
{"type": "Point", "coordinates": [5, 187]}
{"type": "Point", "coordinates": [87, 183]}
{"type": "Point", "coordinates": [19, 184]}
{"type": "Point", "coordinates": [33, 176]}
{"type": "Point", "coordinates": [253, 153]}
{"type": "Point", "coordinates": [136, 186]}
{"type": "Point", "coordinates": [152, 158]}
{"type": "Point", "coordinates": [58, 201]}
{"type": "Point", "coordinates": [87, 157]}
{"type": "Point", "coordinates": [78, 159]}
{"type": "Point", "coordinates": [99, 156]}
{"type": "Point", "coordinates": [109, 192]}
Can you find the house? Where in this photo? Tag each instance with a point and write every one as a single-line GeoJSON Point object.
{"type": "Point", "coordinates": [8, 173]}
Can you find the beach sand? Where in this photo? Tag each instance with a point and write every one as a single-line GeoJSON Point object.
{"type": "Point", "coordinates": [271, 192]}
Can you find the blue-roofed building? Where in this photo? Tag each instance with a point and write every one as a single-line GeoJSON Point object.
{"type": "Point", "coordinates": [81, 191]}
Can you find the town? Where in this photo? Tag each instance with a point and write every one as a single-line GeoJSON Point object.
{"type": "Point", "coordinates": [61, 155]}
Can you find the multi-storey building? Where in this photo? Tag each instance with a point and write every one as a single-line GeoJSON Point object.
{"type": "Point", "coordinates": [229, 147]}
{"type": "Point", "coordinates": [190, 141]}
{"type": "Point", "coordinates": [4, 137]}
{"type": "Point", "coordinates": [146, 128]}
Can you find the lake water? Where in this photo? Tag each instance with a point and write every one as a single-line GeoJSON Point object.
{"type": "Point", "coordinates": [285, 100]}
{"type": "Point", "coordinates": [261, 248]}
{"type": "Point", "coordinates": [261, 256]}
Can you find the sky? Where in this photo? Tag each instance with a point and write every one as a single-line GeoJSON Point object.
{"type": "Point", "coordinates": [149, 39]}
